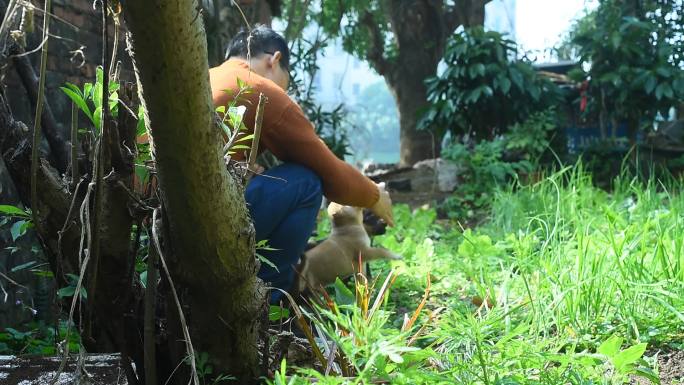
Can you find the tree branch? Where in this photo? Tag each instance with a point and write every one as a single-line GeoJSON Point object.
{"type": "Point", "coordinates": [376, 51]}
{"type": "Point", "coordinates": [453, 18]}
{"type": "Point", "coordinates": [59, 145]}
{"type": "Point", "coordinates": [464, 12]}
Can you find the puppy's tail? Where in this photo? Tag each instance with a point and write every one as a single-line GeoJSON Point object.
{"type": "Point", "coordinates": [380, 253]}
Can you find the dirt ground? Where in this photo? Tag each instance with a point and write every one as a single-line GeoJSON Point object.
{"type": "Point", "coordinates": [670, 369]}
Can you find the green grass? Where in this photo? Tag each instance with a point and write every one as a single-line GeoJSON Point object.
{"type": "Point", "coordinates": [580, 281]}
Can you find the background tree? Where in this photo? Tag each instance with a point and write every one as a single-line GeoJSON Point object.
{"type": "Point", "coordinates": [634, 52]}
{"type": "Point", "coordinates": [224, 18]}
{"type": "Point", "coordinates": [403, 41]}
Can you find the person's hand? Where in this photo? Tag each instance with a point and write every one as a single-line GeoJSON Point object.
{"type": "Point", "coordinates": [257, 168]}
{"type": "Point", "coordinates": [383, 207]}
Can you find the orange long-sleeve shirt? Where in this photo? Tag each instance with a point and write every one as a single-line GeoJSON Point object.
{"type": "Point", "coordinates": [289, 135]}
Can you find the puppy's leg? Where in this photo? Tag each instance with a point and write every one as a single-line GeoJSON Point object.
{"type": "Point", "coordinates": [378, 253]}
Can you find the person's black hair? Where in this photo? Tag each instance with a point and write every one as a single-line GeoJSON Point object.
{"type": "Point", "coordinates": [261, 39]}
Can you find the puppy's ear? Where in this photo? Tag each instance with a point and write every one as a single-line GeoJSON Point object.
{"type": "Point", "coordinates": [334, 209]}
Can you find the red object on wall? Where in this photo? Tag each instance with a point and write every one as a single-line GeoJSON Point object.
{"type": "Point", "coordinates": [583, 95]}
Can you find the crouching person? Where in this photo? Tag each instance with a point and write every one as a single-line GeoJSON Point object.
{"type": "Point", "coordinates": [285, 200]}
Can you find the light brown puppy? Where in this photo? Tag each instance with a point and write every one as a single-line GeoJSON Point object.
{"type": "Point", "coordinates": [338, 256]}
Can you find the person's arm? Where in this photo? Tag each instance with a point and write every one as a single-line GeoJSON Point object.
{"type": "Point", "coordinates": [290, 136]}
{"type": "Point", "coordinates": [293, 139]}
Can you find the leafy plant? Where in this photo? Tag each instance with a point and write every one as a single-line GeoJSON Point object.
{"type": "Point", "coordinates": [531, 138]}
{"type": "Point", "coordinates": [485, 88]}
{"type": "Point", "coordinates": [36, 338]}
{"type": "Point", "coordinates": [89, 99]}
{"type": "Point", "coordinates": [70, 289]}
{"type": "Point", "coordinates": [490, 164]}
{"type": "Point", "coordinates": [634, 56]}
{"type": "Point", "coordinates": [205, 371]}
{"type": "Point", "coordinates": [565, 283]}
{"type": "Point", "coordinates": [624, 361]}
{"type": "Point", "coordinates": [358, 339]}
{"type": "Point", "coordinates": [232, 121]}
{"type": "Point", "coordinates": [483, 171]}
{"type": "Point", "coordinates": [20, 225]}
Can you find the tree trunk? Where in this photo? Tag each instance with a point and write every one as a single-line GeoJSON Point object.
{"type": "Point", "coordinates": [410, 94]}
{"type": "Point", "coordinates": [211, 237]}
{"type": "Point", "coordinates": [421, 29]}
{"type": "Point", "coordinates": [223, 20]}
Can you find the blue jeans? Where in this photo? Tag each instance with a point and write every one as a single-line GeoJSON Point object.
{"type": "Point", "coordinates": [284, 204]}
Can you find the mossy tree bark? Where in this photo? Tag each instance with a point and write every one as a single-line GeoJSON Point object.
{"type": "Point", "coordinates": [210, 249]}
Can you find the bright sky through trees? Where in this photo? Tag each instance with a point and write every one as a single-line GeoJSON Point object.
{"type": "Point", "coordinates": [542, 23]}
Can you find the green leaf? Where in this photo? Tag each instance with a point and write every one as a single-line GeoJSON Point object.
{"type": "Point", "coordinates": [263, 245]}
{"type": "Point", "coordinates": [142, 173]}
{"type": "Point", "coordinates": [266, 261]}
{"type": "Point", "coordinates": [610, 347]}
{"type": "Point", "coordinates": [240, 83]}
{"type": "Point", "coordinates": [248, 137]}
{"type": "Point", "coordinates": [78, 100]}
{"type": "Point", "coordinates": [140, 127]}
{"type": "Point", "coordinates": [396, 358]}
{"type": "Point", "coordinates": [647, 373]}
{"type": "Point", "coordinates": [678, 84]}
{"type": "Point", "coordinates": [41, 273]}
{"type": "Point", "coordinates": [277, 313]}
{"type": "Point", "coordinates": [240, 147]}
{"type": "Point", "coordinates": [616, 39]}
{"type": "Point", "coordinates": [663, 89]}
{"type": "Point", "coordinates": [18, 229]}
{"type": "Point", "coordinates": [76, 90]}
{"type": "Point", "coordinates": [99, 75]}
{"type": "Point", "coordinates": [505, 85]}
{"type": "Point", "coordinates": [14, 211]}
{"type": "Point", "coordinates": [517, 78]}
{"type": "Point", "coordinates": [143, 279]}
{"type": "Point", "coordinates": [221, 109]}
{"type": "Point", "coordinates": [88, 91]}
{"type": "Point", "coordinates": [97, 116]}
{"type": "Point", "coordinates": [474, 95]}
{"type": "Point", "coordinates": [480, 69]}
{"type": "Point", "coordinates": [651, 84]}
{"type": "Point", "coordinates": [487, 90]}
{"type": "Point", "coordinates": [23, 266]}
{"type": "Point", "coordinates": [113, 87]}
{"type": "Point", "coordinates": [343, 296]}
{"type": "Point", "coordinates": [113, 102]}
{"type": "Point", "coordinates": [664, 72]}
{"type": "Point", "coordinates": [629, 357]}
{"type": "Point", "coordinates": [67, 291]}
{"type": "Point", "coordinates": [97, 95]}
